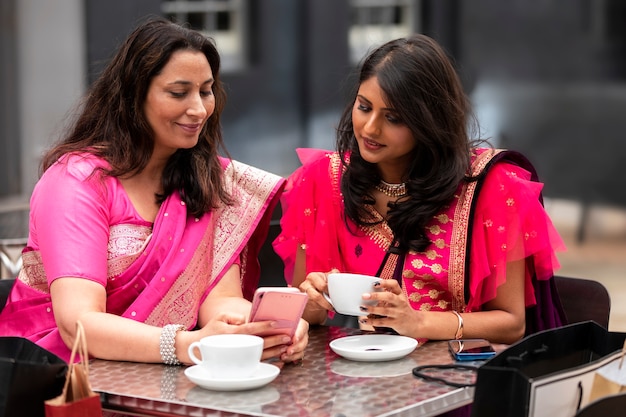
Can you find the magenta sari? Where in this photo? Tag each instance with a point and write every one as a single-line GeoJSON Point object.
{"type": "Point", "coordinates": [488, 223]}
{"type": "Point", "coordinates": [156, 274]}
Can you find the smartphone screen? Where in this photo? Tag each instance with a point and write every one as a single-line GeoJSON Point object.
{"type": "Point", "coordinates": [471, 349]}
{"type": "Point", "coordinates": [284, 305]}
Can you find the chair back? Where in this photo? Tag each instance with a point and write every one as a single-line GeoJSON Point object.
{"type": "Point", "coordinates": [5, 288]}
{"type": "Point", "coordinates": [584, 299]}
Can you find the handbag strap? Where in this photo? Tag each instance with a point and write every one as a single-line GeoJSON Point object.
{"type": "Point", "coordinates": [419, 372]}
{"type": "Point", "coordinates": [80, 348]}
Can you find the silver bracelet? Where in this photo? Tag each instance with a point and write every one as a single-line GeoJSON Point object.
{"type": "Point", "coordinates": [459, 332]}
{"type": "Point", "coordinates": [166, 344]}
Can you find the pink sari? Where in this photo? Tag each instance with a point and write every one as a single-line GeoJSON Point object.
{"type": "Point", "coordinates": [173, 265]}
{"type": "Point", "coordinates": [504, 222]}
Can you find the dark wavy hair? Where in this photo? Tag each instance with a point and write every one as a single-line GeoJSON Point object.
{"type": "Point", "coordinates": [111, 123]}
{"type": "Point", "coordinates": [420, 83]}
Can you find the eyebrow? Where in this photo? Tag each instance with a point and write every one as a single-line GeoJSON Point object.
{"type": "Point", "coordinates": [184, 82]}
{"type": "Point", "coordinates": [390, 109]}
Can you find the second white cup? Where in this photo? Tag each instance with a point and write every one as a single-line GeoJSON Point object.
{"type": "Point", "coordinates": [228, 356]}
{"type": "Point", "coordinates": [345, 292]}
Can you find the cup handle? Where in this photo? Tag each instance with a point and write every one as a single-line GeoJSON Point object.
{"type": "Point", "coordinates": [191, 353]}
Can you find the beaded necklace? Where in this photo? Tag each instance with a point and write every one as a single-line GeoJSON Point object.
{"type": "Point", "coordinates": [391, 190]}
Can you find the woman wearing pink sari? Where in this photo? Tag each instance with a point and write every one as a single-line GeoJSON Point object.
{"type": "Point", "coordinates": [138, 228]}
{"type": "Point", "coordinates": [456, 231]}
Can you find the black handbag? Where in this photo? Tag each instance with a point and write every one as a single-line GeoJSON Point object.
{"type": "Point", "coordinates": [29, 375]}
{"type": "Point", "coordinates": [547, 374]}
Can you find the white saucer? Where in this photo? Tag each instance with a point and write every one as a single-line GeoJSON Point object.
{"type": "Point", "coordinates": [373, 347]}
{"type": "Point", "coordinates": [264, 375]}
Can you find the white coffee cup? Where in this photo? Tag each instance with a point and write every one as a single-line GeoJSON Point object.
{"type": "Point", "coordinates": [345, 292]}
{"type": "Point", "coordinates": [228, 356]}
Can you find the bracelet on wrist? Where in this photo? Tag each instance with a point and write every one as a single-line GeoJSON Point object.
{"type": "Point", "coordinates": [459, 331]}
{"type": "Point", "coordinates": [167, 346]}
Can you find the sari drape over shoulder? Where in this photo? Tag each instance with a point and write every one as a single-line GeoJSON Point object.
{"type": "Point", "coordinates": [157, 274]}
{"type": "Point", "coordinates": [496, 219]}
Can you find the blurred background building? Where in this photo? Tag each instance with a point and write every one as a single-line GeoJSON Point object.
{"type": "Point", "coordinates": [547, 77]}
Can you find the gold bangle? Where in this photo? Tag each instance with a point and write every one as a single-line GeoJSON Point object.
{"type": "Point", "coordinates": [459, 331]}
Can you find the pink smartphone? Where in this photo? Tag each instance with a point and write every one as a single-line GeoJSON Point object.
{"type": "Point", "coordinates": [284, 305]}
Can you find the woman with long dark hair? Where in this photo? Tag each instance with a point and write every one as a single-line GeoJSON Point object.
{"type": "Point", "coordinates": [409, 194]}
{"type": "Point", "coordinates": [138, 227]}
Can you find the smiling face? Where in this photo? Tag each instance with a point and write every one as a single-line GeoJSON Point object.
{"type": "Point", "coordinates": [382, 137]}
{"type": "Point", "coordinates": [179, 102]}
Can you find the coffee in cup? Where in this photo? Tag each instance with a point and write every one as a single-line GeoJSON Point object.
{"type": "Point", "coordinates": [228, 356]}
{"type": "Point", "coordinates": [345, 292]}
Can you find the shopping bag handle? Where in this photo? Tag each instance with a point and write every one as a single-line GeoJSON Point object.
{"type": "Point", "coordinates": [532, 353]}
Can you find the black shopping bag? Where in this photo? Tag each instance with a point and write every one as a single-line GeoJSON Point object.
{"type": "Point", "coordinates": [29, 375]}
{"type": "Point", "coordinates": [546, 374]}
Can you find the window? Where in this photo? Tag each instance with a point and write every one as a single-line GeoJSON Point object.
{"type": "Point", "coordinates": [223, 20]}
{"type": "Point", "coordinates": [377, 21]}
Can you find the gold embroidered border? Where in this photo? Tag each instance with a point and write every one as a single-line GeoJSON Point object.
{"type": "Point", "coordinates": [32, 272]}
{"type": "Point", "coordinates": [458, 243]}
{"type": "Point", "coordinates": [250, 188]}
{"type": "Point", "coordinates": [141, 235]}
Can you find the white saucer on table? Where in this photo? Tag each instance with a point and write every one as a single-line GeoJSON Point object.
{"type": "Point", "coordinates": [265, 374]}
{"type": "Point", "coordinates": [373, 347]}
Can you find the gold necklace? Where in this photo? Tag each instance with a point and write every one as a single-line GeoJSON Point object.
{"type": "Point", "coordinates": [391, 190]}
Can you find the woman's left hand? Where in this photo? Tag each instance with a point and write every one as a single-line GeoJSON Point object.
{"type": "Point", "coordinates": [287, 349]}
{"type": "Point", "coordinates": [392, 310]}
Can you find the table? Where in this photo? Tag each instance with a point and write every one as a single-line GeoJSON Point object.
{"type": "Point", "coordinates": [324, 385]}
{"type": "Point", "coordinates": [13, 238]}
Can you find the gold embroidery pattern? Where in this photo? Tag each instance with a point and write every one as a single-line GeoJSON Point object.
{"type": "Point", "coordinates": [439, 243]}
{"type": "Point", "coordinates": [435, 229]}
{"type": "Point", "coordinates": [425, 288]}
{"type": "Point", "coordinates": [418, 284]}
{"type": "Point", "coordinates": [335, 166]}
{"type": "Point", "coordinates": [180, 304]}
{"type": "Point", "coordinates": [407, 273]}
{"type": "Point", "coordinates": [250, 191]}
{"type": "Point", "coordinates": [415, 297]}
{"type": "Point", "coordinates": [250, 188]}
{"type": "Point", "coordinates": [443, 218]}
{"type": "Point", "coordinates": [126, 243]}
{"type": "Point", "coordinates": [379, 233]}
{"type": "Point", "coordinates": [458, 243]}
{"type": "Point", "coordinates": [32, 272]}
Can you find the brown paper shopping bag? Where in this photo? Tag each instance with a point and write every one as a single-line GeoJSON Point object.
{"type": "Point", "coordinates": [77, 398]}
{"type": "Point", "coordinates": [610, 379]}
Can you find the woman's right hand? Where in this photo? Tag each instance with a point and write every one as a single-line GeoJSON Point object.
{"type": "Point", "coordinates": [315, 286]}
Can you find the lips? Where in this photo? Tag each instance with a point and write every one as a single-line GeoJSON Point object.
{"type": "Point", "coordinates": [191, 128]}
{"type": "Point", "coordinates": [372, 145]}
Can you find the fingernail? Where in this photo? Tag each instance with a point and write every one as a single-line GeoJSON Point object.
{"type": "Point", "coordinates": [286, 339]}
